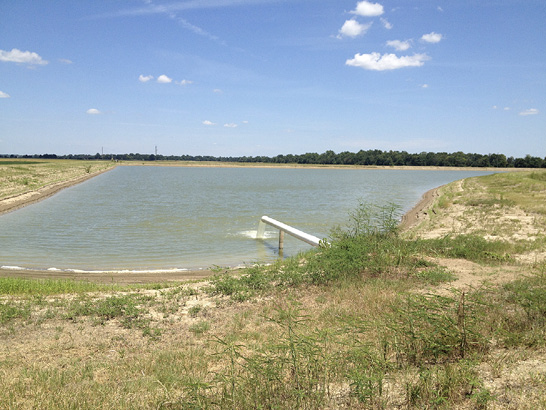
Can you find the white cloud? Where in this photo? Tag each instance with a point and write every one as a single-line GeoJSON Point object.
{"type": "Point", "coordinates": [197, 30]}
{"type": "Point", "coordinates": [93, 111]}
{"type": "Point", "coordinates": [530, 111]}
{"type": "Point", "coordinates": [18, 56]}
{"type": "Point", "coordinates": [424, 86]}
{"type": "Point", "coordinates": [506, 108]}
{"type": "Point", "coordinates": [399, 45]}
{"type": "Point", "coordinates": [230, 125]}
{"type": "Point", "coordinates": [65, 61]}
{"type": "Point", "coordinates": [184, 82]}
{"type": "Point", "coordinates": [4, 95]}
{"type": "Point", "coordinates": [207, 122]}
{"type": "Point", "coordinates": [432, 37]}
{"type": "Point", "coordinates": [378, 62]}
{"type": "Point", "coordinates": [145, 78]}
{"type": "Point", "coordinates": [352, 28]}
{"type": "Point", "coordinates": [385, 23]}
{"type": "Point", "coordinates": [163, 79]}
{"type": "Point", "coordinates": [367, 9]}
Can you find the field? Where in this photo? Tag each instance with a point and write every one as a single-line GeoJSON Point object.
{"type": "Point", "coordinates": [448, 314]}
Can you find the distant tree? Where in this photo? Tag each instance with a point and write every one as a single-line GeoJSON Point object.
{"type": "Point", "coordinates": [498, 160]}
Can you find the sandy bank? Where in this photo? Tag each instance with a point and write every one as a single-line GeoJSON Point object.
{"type": "Point", "coordinates": [419, 211]}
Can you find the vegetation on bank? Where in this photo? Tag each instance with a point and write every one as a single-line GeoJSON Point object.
{"type": "Point", "coordinates": [369, 158]}
{"type": "Point", "coordinates": [357, 324]}
{"type": "Point", "coordinates": [18, 176]}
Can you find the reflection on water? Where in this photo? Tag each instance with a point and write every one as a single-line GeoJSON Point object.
{"type": "Point", "coordinates": [157, 218]}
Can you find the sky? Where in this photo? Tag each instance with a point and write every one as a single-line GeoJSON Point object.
{"type": "Point", "coordinates": [270, 77]}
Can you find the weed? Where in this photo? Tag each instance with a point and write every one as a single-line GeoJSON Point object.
{"type": "Point", "coordinates": [435, 275]}
{"type": "Point", "coordinates": [524, 320]}
{"type": "Point", "coordinates": [10, 311]}
{"type": "Point", "coordinates": [200, 327]}
{"type": "Point", "coordinates": [194, 310]}
{"type": "Point", "coordinates": [431, 329]}
{"type": "Point", "coordinates": [445, 385]}
{"type": "Point", "coordinates": [470, 247]}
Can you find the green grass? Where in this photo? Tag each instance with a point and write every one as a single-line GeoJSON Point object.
{"type": "Point", "coordinates": [18, 286]}
{"type": "Point", "coordinates": [43, 287]}
{"type": "Point", "coordinates": [527, 190]}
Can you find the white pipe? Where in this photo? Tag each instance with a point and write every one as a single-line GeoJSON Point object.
{"type": "Point", "coordinates": [296, 233]}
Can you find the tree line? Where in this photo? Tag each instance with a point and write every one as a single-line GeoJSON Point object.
{"type": "Point", "coordinates": [370, 157]}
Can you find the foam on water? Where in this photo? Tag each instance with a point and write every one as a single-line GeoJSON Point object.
{"type": "Point", "coordinates": [83, 271]}
{"type": "Point", "coordinates": [252, 234]}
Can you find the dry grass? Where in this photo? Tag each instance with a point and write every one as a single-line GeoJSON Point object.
{"type": "Point", "coordinates": [18, 176]}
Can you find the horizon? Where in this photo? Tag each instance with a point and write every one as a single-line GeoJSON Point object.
{"type": "Point", "coordinates": [471, 159]}
{"type": "Point", "coordinates": [234, 78]}
{"type": "Point", "coordinates": [157, 153]}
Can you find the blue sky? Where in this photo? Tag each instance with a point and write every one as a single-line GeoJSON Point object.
{"type": "Point", "coordinates": [269, 77]}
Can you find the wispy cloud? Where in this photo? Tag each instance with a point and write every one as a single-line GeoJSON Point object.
{"type": "Point", "coordinates": [153, 8]}
{"type": "Point", "coordinates": [93, 111]}
{"type": "Point", "coordinates": [352, 28]}
{"type": "Point", "coordinates": [25, 57]}
{"type": "Point", "coordinates": [207, 122]}
{"type": "Point", "coordinates": [65, 61]}
{"type": "Point", "coordinates": [171, 10]}
{"type": "Point", "coordinates": [145, 78]}
{"type": "Point", "coordinates": [193, 28]}
{"type": "Point", "coordinates": [230, 125]}
{"type": "Point", "coordinates": [386, 23]}
{"type": "Point", "coordinates": [378, 62]}
{"type": "Point", "coordinates": [184, 82]}
{"type": "Point", "coordinates": [432, 37]}
{"type": "Point", "coordinates": [530, 111]}
{"type": "Point", "coordinates": [4, 95]}
{"type": "Point", "coordinates": [367, 9]}
{"type": "Point", "coordinates": [399, 45]}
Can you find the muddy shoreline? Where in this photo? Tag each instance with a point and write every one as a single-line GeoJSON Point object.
{"type": "Point", "coordinates": [420, 210]}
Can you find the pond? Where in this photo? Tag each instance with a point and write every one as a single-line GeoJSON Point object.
{"type": "Point", "coordinates": [146, 218]}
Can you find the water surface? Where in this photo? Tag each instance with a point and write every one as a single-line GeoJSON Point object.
{"type": "Point", "coordinates": [158, 218]}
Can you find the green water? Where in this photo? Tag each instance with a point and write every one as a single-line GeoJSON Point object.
{"type": "Point", "coordinates": [161, 218]}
